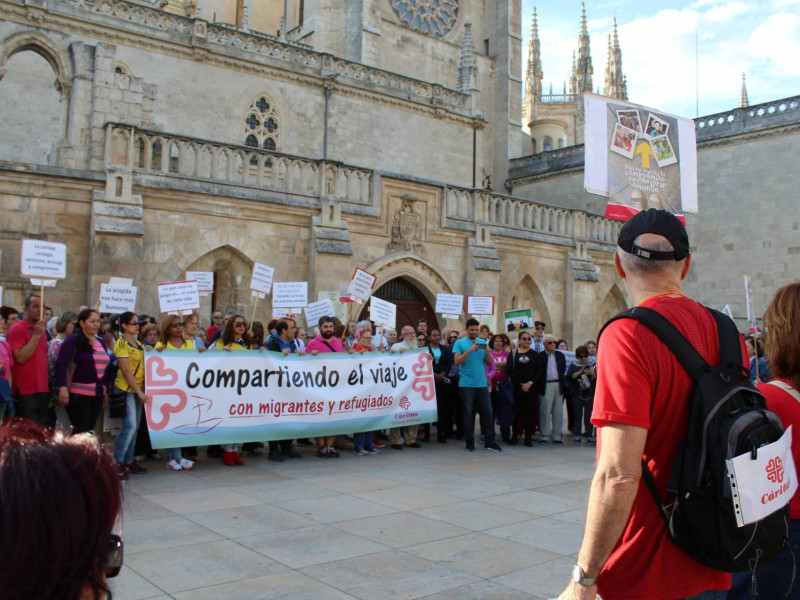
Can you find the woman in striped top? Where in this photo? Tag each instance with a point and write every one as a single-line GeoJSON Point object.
{"type": "Point", "coordinates": [84, 394]}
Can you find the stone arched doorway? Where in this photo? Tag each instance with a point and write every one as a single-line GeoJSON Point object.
{"type": "Point", "coordinates": [410, 301]}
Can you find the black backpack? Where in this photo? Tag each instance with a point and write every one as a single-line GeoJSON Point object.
{"type": "Point", "coordinates": [727, 417]}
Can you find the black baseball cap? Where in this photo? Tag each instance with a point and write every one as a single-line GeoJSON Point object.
{"type": "Point", "coordinates": [659, 222]}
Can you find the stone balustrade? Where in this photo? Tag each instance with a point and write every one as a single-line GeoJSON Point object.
{"type": "Point", "coordinates": [203, 161]}
{"type": "Point", "coordinates": [506, 213]}
{"type": "Point", "coordinates": [156, 153]}
{"type": "Point", "coordinates": [750, 118]}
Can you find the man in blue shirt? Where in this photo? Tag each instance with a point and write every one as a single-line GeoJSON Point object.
{"type": "Point", "coordinates": [472, 356]}
{"type": "Point", "coordinates": [283, 340]}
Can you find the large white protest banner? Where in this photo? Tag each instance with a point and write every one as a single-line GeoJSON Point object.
{"type": "Point", "coordinates": [360, 287]}
{"type": "Point", "coordinates": [639, 158]}
{"type": "Point", "coordinates": [383, 313]}
{"type": "Point", "coordinates": [204, 279]}
{"type": "Point", "coordinates": [261, 281]}
{"type": "Point", "coordinates": [46, 260]}
{"type": "Point", "coordinates": [449, 305]}
{"type": "Point", "coordinates": [290, 294]}
{"type": "Point", "coordinates": [222, 397]}
{"type": "Point", "coordinates": [315, 310]}
{"type": "Point", "coordinates": [480, 305]}
{"type": "Point", "coordinates": [178, 296]}
{"type": "Point", "coordinates": [117, 298]}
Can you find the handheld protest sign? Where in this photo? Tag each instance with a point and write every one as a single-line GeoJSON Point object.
{"type": "Point", "coordinates": [449, 305]}
{"type": "Point", "coordinates": [383, 313]}
{"type": "Point", "coordinates": [290, 294]}
{"type": "Point", "coordinates": [261, 280]}
{"type": "Point", "coordinates": [315, 310]}
{"type": "Point", "coordinates": [205, 280]}
{"type": "Point", "coordinates": [639, 158]}
{"type": "Point", "coordinates": [178, 297]}
{"type": "Point", "coordinates": [43, 262]}
{"type": "Point", "coordinates": [117, 298]}
{"type": "Point", "coordinates": [360, 288]}
{"type": "Point", "coordinates": [480, 305]}
{"type": "Point", "coordinates": [517, 320]}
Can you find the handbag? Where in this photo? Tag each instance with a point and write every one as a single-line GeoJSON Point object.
{"type": "Point", "coordinates": [117, 401]}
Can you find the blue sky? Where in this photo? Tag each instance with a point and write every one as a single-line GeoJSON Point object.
{"type": "Point", "coordinates": [760, 38]}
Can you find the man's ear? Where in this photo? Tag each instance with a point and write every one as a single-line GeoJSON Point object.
{"type": "Point", "coordinates": [687, 264]}
{"type": "Point", "coordinates": [618, 265]}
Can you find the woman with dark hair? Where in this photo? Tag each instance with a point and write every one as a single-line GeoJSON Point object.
{"type": "Point", "coordinates": [442, 361]}
{"type": "Point", "coordinates": [130, 381]}
{"type": "Point", "coordinates": [234, 337]}
{"type": "Point", "coordinates": [59, 501]}
{"type": "Point", "coordinates": [522, 365]}
{"type": "Point", "coordinates": [778, 577]}
{"type": "Point", "coordinates": [501, 388]}
{"type": "Point", "coordinates": [256, 335]}
{"type": "Point", "coordinates": [582, 379]}
{"type": "Point", "coordinates": [83, 391]}
{"type": "Point", "coordinates": [64, 325]}
{"type": "Point", "coordinates": [759, 373]}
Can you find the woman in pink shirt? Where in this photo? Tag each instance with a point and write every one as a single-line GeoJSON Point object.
{"type": "Point", "coordinates": [6, 360]}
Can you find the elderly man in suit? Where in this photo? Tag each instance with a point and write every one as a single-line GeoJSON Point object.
{"type": "Point", "coordinates": [552, 389]}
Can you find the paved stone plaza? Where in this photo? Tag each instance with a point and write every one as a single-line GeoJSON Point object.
{"type": "Point", "coordinates": [433, 523]}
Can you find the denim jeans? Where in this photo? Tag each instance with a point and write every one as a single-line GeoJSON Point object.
{"type": "Point", "coordinates": [362, 441]}
{"type": "Point", "coordinates": [709, 595]}
{"type": "Point", "coordinates": [126, 442]}
{"type": "Point", "coordinates": [477, 397]}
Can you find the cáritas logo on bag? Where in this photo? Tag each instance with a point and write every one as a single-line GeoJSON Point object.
{"type": "Point", "coordinates": [776, 473]}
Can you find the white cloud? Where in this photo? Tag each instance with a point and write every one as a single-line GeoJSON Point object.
{"type": "Point", "coordinates": [726, 12]}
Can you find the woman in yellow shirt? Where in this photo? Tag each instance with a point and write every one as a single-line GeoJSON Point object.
{"type": "Point", "coordinates": [234, 337]}
{"type": "Point", "coordinates": [130, 379]}
{"type": "Point", "coordinates": [171, 338]}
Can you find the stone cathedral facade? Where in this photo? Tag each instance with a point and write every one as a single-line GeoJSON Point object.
{"type": "Point", "coordinates": [156, 137]}
{"type": "Point", "coordinates": [159, 137]}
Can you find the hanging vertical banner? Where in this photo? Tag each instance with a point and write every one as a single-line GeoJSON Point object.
{"type": "Point", "coordinates": [639, 158]}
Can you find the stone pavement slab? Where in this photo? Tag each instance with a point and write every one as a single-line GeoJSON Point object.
{"type": "Point", "coordinates": [435, 523]}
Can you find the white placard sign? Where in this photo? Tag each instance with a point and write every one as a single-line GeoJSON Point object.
{"type": "Point", "coordinates": [262, 278]}
{"type": "Point", "coordinates": [204, 279]}
{"type": "Point", "coordinates": [179, 296]}
{"type": "Point", "coordinates": [47, 260]}
{"type": "Point", "coordinates": [315, 310]}
{"type": "Point", "coordinates": [117, 298]}
{"type": "Point", "coordinates": [760, 487]}
{"type": "Point", "coordinates": [1, 296]}
{"type": "Point", "coordinates": [383, 312]}
{"type": "Point", "coordinates": [43, 282]}
{"type": "Point", "coordinates": [480, 305]}
{"type": "Point", "coordinates": [449, 305]}
{"type": "Point", "coordinates": [361, 285]}
{"type": "Point", "coordinates": [290, 294]}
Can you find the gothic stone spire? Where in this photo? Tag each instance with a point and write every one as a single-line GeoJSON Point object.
{"type": "Point", "coordinates": [466, 66]}
{"type": "Point", "coordinates": [744, 101]}
{"type": "Point", "coordinates": [584, 70]}
{"type": "Point", "coordinates": [615, 84]}
{"type": "Point", "coordinates": [533, 83]}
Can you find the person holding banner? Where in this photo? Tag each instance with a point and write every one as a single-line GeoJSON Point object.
{"type": "Point", "coordinates": [28, 344]}
{"type": "Point", "coordinates": [782, 323]}
{"type": "Point", "coordinates": [84, 390]}
{"type": "Point", "coordinates": [326, 342]}
{"type": "Point", "coordinates": [442, 362]}
{"type": "Point", "coordinates": [234, 337]}
{"type": "Point", "coordinates": [363, 442]}
{"type": "Point", "coordinates": [130, 381]}
{"type": "Point", "coordinates": [190, 325]}
{"type": "Point", "coordinates": [171, 338]}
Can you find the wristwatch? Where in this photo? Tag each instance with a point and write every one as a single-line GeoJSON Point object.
{"type": "Point", "coordinates": [579, 577]}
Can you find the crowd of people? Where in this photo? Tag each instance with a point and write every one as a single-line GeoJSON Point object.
{"type": "Point", "coordinates": [84, 361]}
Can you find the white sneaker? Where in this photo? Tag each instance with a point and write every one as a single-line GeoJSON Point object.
{"type": "Point", "coordinates": [186, 464]}
{"type": "Point", "coordinates": [173, 465]}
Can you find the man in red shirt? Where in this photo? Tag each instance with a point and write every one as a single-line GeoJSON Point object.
{"type": "Point", "coordinates": [325, 342]}
{"type": "Point", "coordinates": [28, 343]}
{"type": "Point", "coordinates": [641, 410]}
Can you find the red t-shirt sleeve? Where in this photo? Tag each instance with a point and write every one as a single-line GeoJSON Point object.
{"type": "Point", "coordinates": [624, 387]}
{"type": "Point", "coordinates": [16, 337]}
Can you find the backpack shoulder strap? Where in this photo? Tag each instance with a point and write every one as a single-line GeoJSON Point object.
{"type": "Point", "coordinates": [730, 347]}
{"type": "Point", "coordinates": [667, 333]}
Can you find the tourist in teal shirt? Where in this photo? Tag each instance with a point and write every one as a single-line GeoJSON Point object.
{"type": "Point", "coordinates": [472, 355]}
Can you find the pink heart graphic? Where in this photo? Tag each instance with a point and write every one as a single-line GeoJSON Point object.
{"type": "Point", "coordinates": [158, 375]}
{"type": "Point", "coordinates": [164, 409]}
{"type": "Point", "coordinates": [423, 366]}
